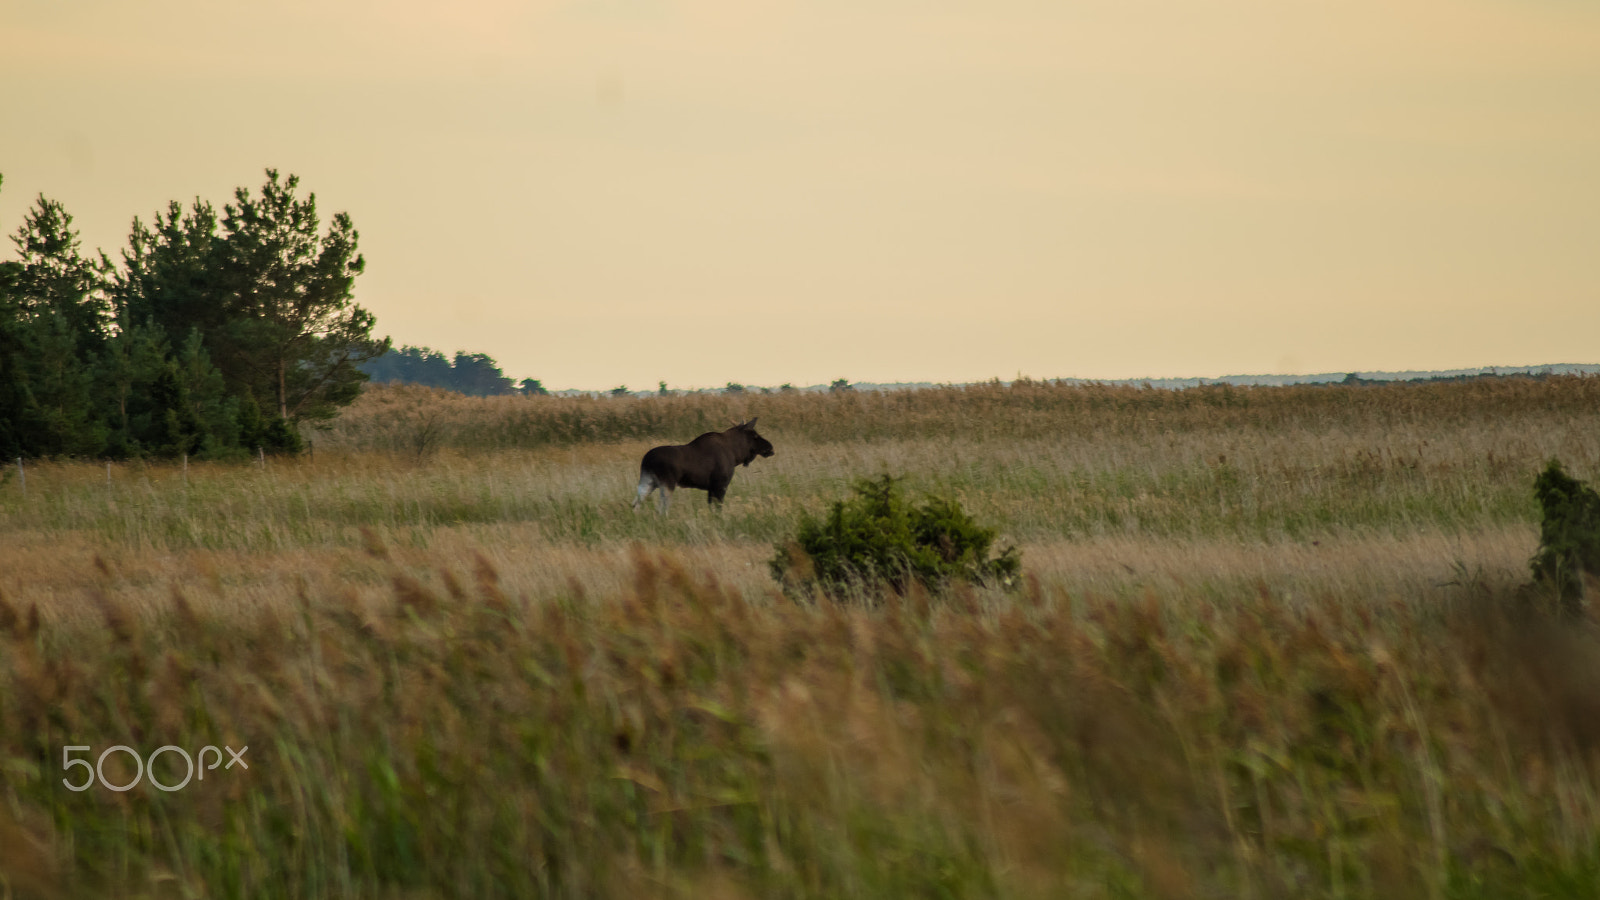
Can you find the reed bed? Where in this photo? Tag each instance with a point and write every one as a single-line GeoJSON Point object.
{"type": "Point", "coordinates": [1273, 642]}
{"type": "Point", "coordinates": [399, 418]}
{"type": "Point", "coordinates": [1186, 470]}
{"type": "Point", "coordinates": [681, 739]}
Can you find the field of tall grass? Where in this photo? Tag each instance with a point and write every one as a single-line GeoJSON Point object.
{"type": "Point", "coordinates": [1271, 643]}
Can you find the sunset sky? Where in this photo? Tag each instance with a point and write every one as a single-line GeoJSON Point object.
{"type": "Point", "coordinates": [613, 192]}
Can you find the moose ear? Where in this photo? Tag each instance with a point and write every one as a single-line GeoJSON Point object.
{"type": "Point", "coordinates": [749, 424]}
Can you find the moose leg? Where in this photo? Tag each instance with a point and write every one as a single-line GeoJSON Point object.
{"type": "Point", "coordinates": [647, 483]}
{"type": "Point", "coordinates": [666, 499]}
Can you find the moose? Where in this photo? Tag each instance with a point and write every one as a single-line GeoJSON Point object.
{"type": "Point", "coordinates": [705, 463]}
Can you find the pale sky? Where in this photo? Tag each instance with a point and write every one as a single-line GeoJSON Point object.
{"type": "Point", "coordinates": [611, 192]}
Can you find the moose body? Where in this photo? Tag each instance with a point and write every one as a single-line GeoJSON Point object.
{"type": "Point", "coordinates": [705, 463]}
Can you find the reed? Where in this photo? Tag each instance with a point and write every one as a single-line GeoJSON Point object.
{"type": "Point", "coordinates": [677, 736]}
{"type": "Point", "coordinates": [1270, 643]}
{"type": "Point", "coordinates": [388, 418]}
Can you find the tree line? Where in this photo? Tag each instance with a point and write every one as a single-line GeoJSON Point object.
{"type": "Point", "coordinates": [217, 333]}
{"type": "Point", "coordinates": [476, 374]}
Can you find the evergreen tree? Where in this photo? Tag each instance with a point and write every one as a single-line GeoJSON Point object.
{"type": "Point", "coordinates": [173, 352]}
{"type": "Point", "coordinates": [170, 273]}
{"type": "Point", "coordinates": [13, 392]}
{"type": "Point", "coordinates": [293, 331]}
{"type": "Point", "coordinates": [212, 408]}
{"type": "Point", "coordinates": [133, 359]}
{"type": "Point", "coordinates": [479, 375]}
{"type": "Point", "coordinates": [413, 365]}
{"type": "Point", "coordinates": [476, 374]}
{"type": "Point", "coordinates": [251, 428]}
{"type": "Point", "coordinates": [52, 318]}
{"type": "Point", "coordinates": [55, 279]}
{"type": "Point", "coordinates": [176, 429]}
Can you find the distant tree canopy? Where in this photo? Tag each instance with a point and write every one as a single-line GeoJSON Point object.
{"type": "Point", "coordinates": [215, 335]}
{"type": "Point", "coordinates": [476, 374]}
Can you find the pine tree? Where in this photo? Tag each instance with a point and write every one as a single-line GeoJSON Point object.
{"type": "Point", "coordinates": [169, 276]}
{"type": "Point", "coordinates": [53, 322]}
{"type": "Point", "coordinates": [128, 368]}
{"type": "Point", "coordinates": [293, 331]}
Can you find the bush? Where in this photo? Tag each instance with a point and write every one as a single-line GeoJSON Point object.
{"type": "Point", "coordinates": [877, 539]}
{"type": "Point", "coordinates": [1569, 535]}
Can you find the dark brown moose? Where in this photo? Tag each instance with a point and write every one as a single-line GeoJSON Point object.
{"type": "Point", "coordinates": [705, 463]}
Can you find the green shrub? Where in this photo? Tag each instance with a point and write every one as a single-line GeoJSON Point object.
{"type": "Point", "coordinates": [877, 539]}
{"type": "Point", "coordinates": [1569, 535]}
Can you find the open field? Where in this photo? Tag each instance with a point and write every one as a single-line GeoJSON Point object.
{"type": "Point", "coordinates": [1266, 649]}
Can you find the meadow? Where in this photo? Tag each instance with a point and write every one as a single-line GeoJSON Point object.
{"type": "Point", "coordinates": [1271, 642]}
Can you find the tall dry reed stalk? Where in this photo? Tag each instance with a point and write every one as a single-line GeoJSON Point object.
{"type": "Point", "coordinates": [677, 738]}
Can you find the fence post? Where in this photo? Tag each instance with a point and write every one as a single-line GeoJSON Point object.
{"type": "Point", "coordinates": [23, 474]}
{"type": "Point", "coordinates": [186, 470]}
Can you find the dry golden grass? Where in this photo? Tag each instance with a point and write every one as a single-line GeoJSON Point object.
{"type": "Point", "coordinates": [1416, 569]}
{"type": "Point", "coordinates": [60, 576]}
{"type": "Point", "coordinates": [1268, 647]}
{"type": "Point", "coordinates": [389, 418]}
{"type": "Point", "coordinates": [676, 737]}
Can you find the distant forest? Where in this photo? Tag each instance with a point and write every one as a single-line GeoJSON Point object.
{"type": "Point", "coordinates": [476, 374]}
{"type": "Point", "coordinates": [217, 334]}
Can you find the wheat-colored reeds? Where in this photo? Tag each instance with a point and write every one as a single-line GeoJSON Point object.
{"type": "Point", "coordinates": [675, 737]}
{"type": "Point", "coordinates": [1272, 643]}
{"type": "Point", "coordinates": [401, 419]}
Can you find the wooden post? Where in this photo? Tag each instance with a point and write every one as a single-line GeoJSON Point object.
{"type": "Point", "coordinates": [23, 474]}
{"type": "Point", "coordinates": [261, 458]}
{"type": "Point", "coordinates": [186, 470]}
